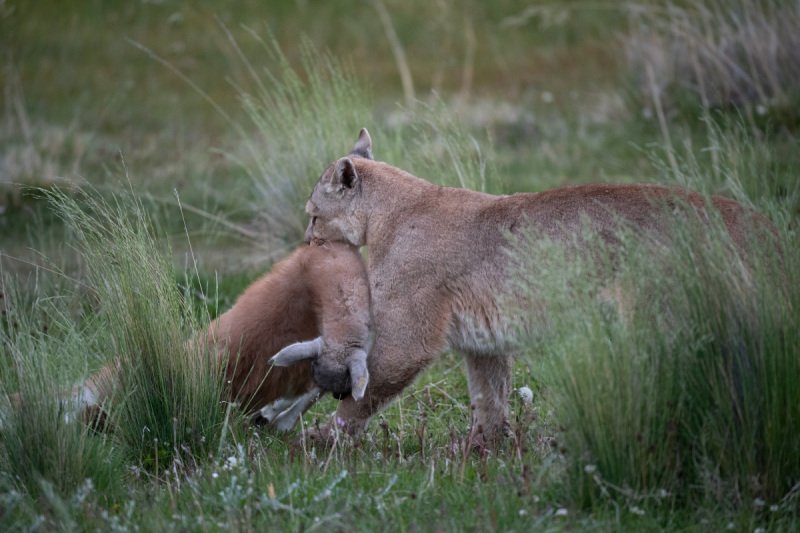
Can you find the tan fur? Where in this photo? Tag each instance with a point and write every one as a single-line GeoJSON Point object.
{"type": "Point", "coordinates": [437, 265]}
{"type": "Point", "coordinates": [319, 290]}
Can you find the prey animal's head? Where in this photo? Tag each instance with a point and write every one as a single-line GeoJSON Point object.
{"type": "Point", "coordinates": [340, 370]}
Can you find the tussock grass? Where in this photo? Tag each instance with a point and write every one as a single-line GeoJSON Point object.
{"type": "Point", "coordinates": [671, 365]}
{"type": "Point", "coordinates": [169, 405]}
{"type": "Point", "coordinates": [44, 454]}
{"type": "Point", "coordinates": [167, 410]}
{"type": "Point", "coordinates": [432, 140]}
{"type": "Point", "coordinates": [755, 168]}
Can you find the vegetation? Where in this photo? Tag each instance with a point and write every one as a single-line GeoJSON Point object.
{"type": "Point", "coordinates": [168, 149]}
{"type": "Point", "coordinates": [676, 391]}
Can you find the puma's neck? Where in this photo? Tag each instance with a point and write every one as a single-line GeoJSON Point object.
{"type": "Point", "coordinates": [389, 196]}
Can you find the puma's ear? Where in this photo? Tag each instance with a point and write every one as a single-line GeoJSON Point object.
{"type": "Point", "coordinates": [359, 376]}
{"type": "Point", "coordinates": [363, 146]}
{"type": "Point", "coordinates": [299, 351]}
{"type": "Point", "coordinates": [344, 174]}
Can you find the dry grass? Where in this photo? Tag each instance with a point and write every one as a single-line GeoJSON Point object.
{"type": "Point", "coordinates": [741, 53]}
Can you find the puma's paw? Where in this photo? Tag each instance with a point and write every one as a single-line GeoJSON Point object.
{"type": "Point", "coordinates": [483, 441]}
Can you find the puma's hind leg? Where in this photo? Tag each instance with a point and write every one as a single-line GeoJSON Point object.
{"type": "Point", "coordinates": [489, 379]}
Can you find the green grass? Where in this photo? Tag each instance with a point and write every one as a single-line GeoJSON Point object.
{"type": "Point", "coordinates": [171, 400]}
{"type": "Point", "coordinates": [679, 393]}
{"type": "Point", "coordinates": [680, 415]}
{"type": "Point", "coordinates": [45, 458]}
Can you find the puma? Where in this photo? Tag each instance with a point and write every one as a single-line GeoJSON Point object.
{"type": "Point", "coordinates": [437, 265]}
{"type": "Point", "coordinates": [318, 295]}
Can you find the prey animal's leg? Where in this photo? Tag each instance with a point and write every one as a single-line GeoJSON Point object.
{"type": "Point", "coordinates": [284, 413]}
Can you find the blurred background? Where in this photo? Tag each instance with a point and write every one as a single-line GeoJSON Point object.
{"type": "Point", "coordinates": [218, 101]}
{"type": "Point", "coordinates": [162, 95]}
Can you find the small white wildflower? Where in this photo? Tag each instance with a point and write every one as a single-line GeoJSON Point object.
{"type": "Point", "coordinates": [523, 512]}
{"type": "Point", "coordinates": [759, 530]}
{"type": "Point", "coordinates": [637, 510]}
{"type": "Point", "coordinates": [231, 462]}
{"type": "Point", "coordinates": [647, 113]}
{"type": "Point", "coordinates": [730, 526]}
{"type": "Point", "coordinates": [547, 97]}
{"type": "Point", "coordinates": [562, 512]}
{"type": "Point", "coordinates": [590, 469]}
{"type": "Point", "coordinates": [536, 499]}
{"type": "Point", "coordinates": [526, 394]}
{"type": "Point", "coordinates": [773, 508]}
{"type": "Point", "coordinates": [214, 475]}
{"type": "Point", "coordinates": [761, 110]}
{"type": "Point", "coordinates": [663, 493]}
{"type": "Point", "coordinates": [758, 502]}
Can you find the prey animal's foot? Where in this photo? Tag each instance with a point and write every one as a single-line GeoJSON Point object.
{"type": "Point", "coordinates": [284, 413]}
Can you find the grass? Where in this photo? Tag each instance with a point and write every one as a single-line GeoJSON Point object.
{"type": "Point", "coordinates": [677, 415]}
{"type": "Point", "coordinates": [734, 54]}
{"type": "Point", "coordinates": [678, 393]}
{"type": "Point", "coordinates": [172, 400]}
{"type": "Point", "coordinates": [47, 460]}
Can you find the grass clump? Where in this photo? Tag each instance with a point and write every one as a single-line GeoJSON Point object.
{"type": "Point", "coordinates": [756, 168]}
{"type": "Point", "coordinates": [671, 363]}
{"type": "Point", "coordinates": [168, 404]}
{"type": "Point", "coordinates": [45, 456]}
{"type": "Point", "coordinates": [305, 116]}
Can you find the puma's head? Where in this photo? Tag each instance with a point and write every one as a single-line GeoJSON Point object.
{"type": "Point", "coordinates": [335, 201]}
